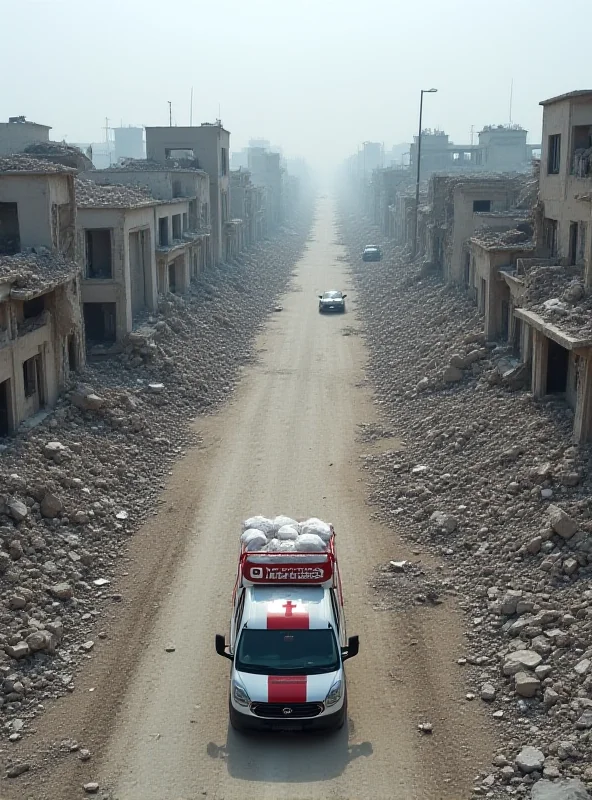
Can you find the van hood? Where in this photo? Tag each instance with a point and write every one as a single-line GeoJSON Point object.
{"type": "Point", "coordinates": [287, 688]}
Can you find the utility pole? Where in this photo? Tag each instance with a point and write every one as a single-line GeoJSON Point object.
{"type": "Point", "coordinates": [416, 215]}
{"type": "Point", "coordinates": [107, 143]}
{"type": "Point", "coordinates": [472, 130]}
{"type": "Point", "coordinates": [170, 114]}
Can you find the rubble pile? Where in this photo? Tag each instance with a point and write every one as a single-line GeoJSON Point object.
{"type": "Point", "coordinates": [92, 195]}
{"type": "Point", "coordinates": [520, 235]}
{"type": "Point", "coordinates": [28, 163]}
{"type": "Point", "coordinates": [488, 480]}
{"type": "Point", "coordinates": [559, 296]}
{"type": "Point", "coordinates": [75, 487]}
{"type": "Point", "coordinates": [60, 153]}
{"type": "Point", "coordinates": [148, 165]}
{"type": "Point", "coordinates": [36, 271]}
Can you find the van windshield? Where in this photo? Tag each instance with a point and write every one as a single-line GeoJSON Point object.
{"type": "Point", "coordinates": [292, 652]}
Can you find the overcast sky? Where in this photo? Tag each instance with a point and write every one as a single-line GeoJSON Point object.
{"type": "Point", "coordinates": [314, 76]}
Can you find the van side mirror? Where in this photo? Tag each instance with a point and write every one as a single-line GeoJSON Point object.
{"type": "Point", "coordinates": [344, 296]}
{"type": "Point", "coordinates": [221, 647]}
{"type": "Point", "coordinates": [320, 297]}
{"type": "Point", "coordinates": [352, 649]}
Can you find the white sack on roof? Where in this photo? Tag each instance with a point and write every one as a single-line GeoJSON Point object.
{"type": "Point", "coordinates": [287, 532]}
{"type": "Point", "coordinates": [282, 520]}
{"type": "Point", "coordinates": [317, 527]}
{"type": "Point", "coordinates": [310, 543]}
{"type": "Point", "coordinates": [260, 523]}
{"type": "Point", "coordinates": [253, 539]}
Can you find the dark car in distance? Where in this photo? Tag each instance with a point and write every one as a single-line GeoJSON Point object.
{"type": "Point", "coordinates": [372, 253]}
{"type": "Point", "coordinates": [332, 301]}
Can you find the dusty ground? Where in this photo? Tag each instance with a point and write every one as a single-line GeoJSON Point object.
{"type": "Point", "coordinates": [156, 721]}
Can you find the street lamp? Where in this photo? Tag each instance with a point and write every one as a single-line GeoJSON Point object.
{"type": "Point", "coordinates": [414, 250]}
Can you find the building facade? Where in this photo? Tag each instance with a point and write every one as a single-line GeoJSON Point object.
{"type": "Point", "coordinates": [566, 180]}
{"type": "Point", "coordinates": [41, 332]}
{"type": "Point", "coordinates": [209, 146]}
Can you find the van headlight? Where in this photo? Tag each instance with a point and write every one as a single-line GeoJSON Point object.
{"type": "Point", "coordinates": [240, 695]}
{"type": "Point", "coordinates": [335, 693]}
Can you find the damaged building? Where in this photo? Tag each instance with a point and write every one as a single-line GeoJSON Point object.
{"type": "Point", "coordinates": [19, 133]}
{"type": "Point", "coordinates": [172, 184]}
{"type": "Point", "coordinates": [566, 180]}
{"type": "Point", "coordinates": [207, 147]}
{"type": "Point", "coordinates": [247, 203]}
{"type": "Point", "coordinates": [41, 332]}
{"type": "Point", "coordinates": [533, 292]}
{"type": "Point", "coordinates": [117, 241]}
{"type": "Point", "coordinates": [456, 208]}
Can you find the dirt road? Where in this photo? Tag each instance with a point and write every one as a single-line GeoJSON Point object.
{"type": "Point", "coordinates": [287, 443]}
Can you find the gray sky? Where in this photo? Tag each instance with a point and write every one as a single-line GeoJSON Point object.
{"type": "Point", "coordinates": [314, 76]}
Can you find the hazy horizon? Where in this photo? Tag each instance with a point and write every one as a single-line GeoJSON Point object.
{"type": "Point", "coordinates": [316, 78]}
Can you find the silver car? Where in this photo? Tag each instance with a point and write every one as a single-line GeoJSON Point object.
{"type": "Point", "coordinates": [332, 301]}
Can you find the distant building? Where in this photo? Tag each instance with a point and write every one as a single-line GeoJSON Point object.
{"type": "Point", "coordinates": [129, 142]}
{"type": "Point", "coordinates": [18, 133]}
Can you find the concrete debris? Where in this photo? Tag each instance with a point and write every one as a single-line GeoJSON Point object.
{"type": "Point", "coordinates": [35, 272]}
{"type": "Point", "coordinates": [97, 195]}
{"type": "Point", "coordinates": [558, 294]}
{"type": "Point", "coordinates": [530, 759]}
{"type": "Point", "coordinates": [560, 790]}
{"type": "Point", "coordinates": [518, 565]}
{"type": "Point", "coordinates": [27, 163]}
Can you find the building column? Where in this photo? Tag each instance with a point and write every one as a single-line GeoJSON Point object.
{"type": "Point", "coordinates": [540, 357]}
{"type": "Point", "coordinates": [492, 311]}
{"type": "Point", "coordinates": [582, 428]}
{"type": "Point", "coordinates": [588, 255]}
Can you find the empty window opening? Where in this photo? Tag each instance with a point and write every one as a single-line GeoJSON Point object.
{"type": "Point", "coordinates": [179, 152]}
{"type": "Point", "coordinates": [72, 353]}
{"type": "Point", "coordinates": [10, 240]}
{"type": "Point", "coordinates": [33, 308]}
{"type": "Point", "coordinates": [185, 222]}
{"type": "Point", "coordinates": [573, 243]}
{"type": "Point", "coordinates": [467, 268]}
{"type": "Point", "coordinates": [177, 192]}
{"type": "Point", "coordinates": [5, 425]}
{"type": "Point", "coordinates": [550, 235]}
{"type": "Point", "coordinates": [193, 215]}
{"type": "Point", "coordinates": [176, 226]}
{"type": "Point", "coordinates": [557, 367]}
{"type": "Point", "coordinates": [554, 154]}
{"type": "Point", "coordinates": [482, 295]}
{"type": "Point", "coordinates": [163, 231]}
{"type": "Point", "coordinates": [517, 340]}
{"type": "Point", "coordinates": [99, 263]}
{"type": "Point", "coordinates": [481, 205]}
{"type": "Point", "coordinates": [30, 376]}
{"type": "Point", "coordinates": [100, 322]}
{"type": "Point", "coordinates": [172, 278]}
